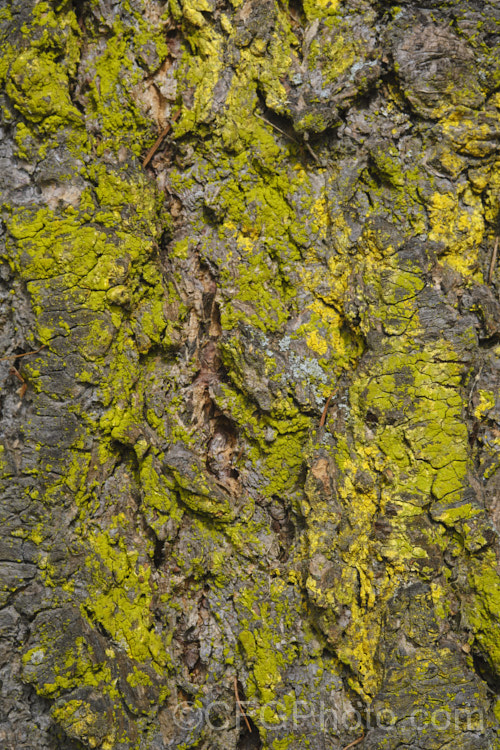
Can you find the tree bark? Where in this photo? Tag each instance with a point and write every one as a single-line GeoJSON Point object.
{"type": "Point", "coordinates": [250, 416]}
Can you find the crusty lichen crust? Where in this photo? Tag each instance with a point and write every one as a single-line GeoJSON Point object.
{"type": "Point", "coordinates": [259, 436]}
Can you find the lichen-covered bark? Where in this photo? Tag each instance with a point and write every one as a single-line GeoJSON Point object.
{"type": "Point", "coordinates": [250, 417]}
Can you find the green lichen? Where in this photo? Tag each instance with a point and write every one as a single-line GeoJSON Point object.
{"type": "Point", "coordinates": [280, 459]}
{"type": "Point", "coordinates": [159, 502]}
{"type": "Point", "coordinates": [321, 8]}
{"type": "Point", "coordinates": [38, 87]}
{"type": "Point", "coordinates": [202, 67]}
{"type": "Point", "coordinates": [264, 660]}
{"type": "Point", "coordinates": [288, 257]}
{"type": "Point", "coordinates": [98, 253]}
{"type": "Point", "coordinates": [486, 403]}
{"type": "Point", "coordinates": [79, 720]}
{"type": "Point", "coordinates": [78, 667]}
{"type": "Point", "coordinates": [420, 455]}
{"type": "Point", "coordinates": [482, 608]}
{"type": "Point", "coordinates": [457, 221]}
{"type": "Point", "coordinates": [415, 449]}
{"type": "Point", "coordinates": [120, 598]}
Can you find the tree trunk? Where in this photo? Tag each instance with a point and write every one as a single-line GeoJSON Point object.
{"type": "Point", "coordinates": [250, 425]}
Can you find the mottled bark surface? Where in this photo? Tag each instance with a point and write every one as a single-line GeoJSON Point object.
{"type": "Point", "coordinates": [251, 452]}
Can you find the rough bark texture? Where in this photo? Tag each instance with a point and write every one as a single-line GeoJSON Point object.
{"type": "Point", "coordinates": [257, 456]}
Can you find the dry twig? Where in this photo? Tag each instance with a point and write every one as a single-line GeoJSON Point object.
{"type": "Point", "coordinates": [239, 704]}
{"type": "Point", "coordinates": [22, 390]}
{"type": "Point", "coordinates": [13, 371]}
{"type": "Point", "coordinates": [18, 356]}
{"type": "Point", "coordinates": [287, 135]}
{"type": "Point", "coordinates": [356, 742]}
{"type": "Point", "coordinates": [156, 145]}
{"type": "Point", "coordinates": [325, 410]}
{"type": "Point", "coordinates": [291, 137]}
{"type": "Point", "coordinates": [308, 146]}
{"type": "Point", "coordinates": [474, 383]}
{"type": "Point", "coordinates": [493, 261]}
